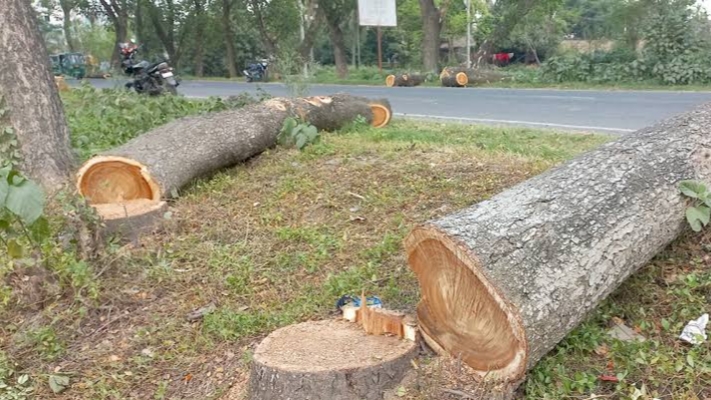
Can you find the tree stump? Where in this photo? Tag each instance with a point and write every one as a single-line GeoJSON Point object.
{"type": "Point", "coordinates": [328, 360]}
{"type": "Point", "coordinates": [503, 281]}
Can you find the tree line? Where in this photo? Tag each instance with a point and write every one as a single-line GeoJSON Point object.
{"type": "Point", "coordinates": [218, 37]}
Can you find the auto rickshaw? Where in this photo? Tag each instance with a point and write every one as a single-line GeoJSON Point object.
{"type": "Point", "coordinates": [70, 64]}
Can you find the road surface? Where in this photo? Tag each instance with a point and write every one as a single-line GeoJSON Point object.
{"type": "Point", "coordinates": [613, 112]}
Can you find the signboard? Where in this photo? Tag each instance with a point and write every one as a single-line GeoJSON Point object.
{"type": "Point", "coordinates": [377, 13]}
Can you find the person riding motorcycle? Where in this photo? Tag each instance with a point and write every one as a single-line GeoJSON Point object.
{"type": "Point", "coordinates": [145, 72]}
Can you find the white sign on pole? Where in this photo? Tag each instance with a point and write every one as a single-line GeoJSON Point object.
{"type": "Point", "coordinates": [377, 13]}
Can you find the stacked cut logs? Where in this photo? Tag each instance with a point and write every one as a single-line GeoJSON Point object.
{"type": "Point", "coordinates": [407, 80]}
{"type": "Point", "coordinates": [503, 281]}
{"type": "Point", "coordinates": [128, 185]}
{"type": "Point", "coordinates": [456, 76]}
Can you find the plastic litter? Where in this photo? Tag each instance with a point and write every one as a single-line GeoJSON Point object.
{"type": "Point", "coordinates": [371, 301]}
{"type": "Point", "coordinates": [695, 330]}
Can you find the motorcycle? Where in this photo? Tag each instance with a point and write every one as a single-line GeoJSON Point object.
{"type": "Point", "coordinates": [257, 71]}
{"type": "Point", "coordinates": [150, 78]}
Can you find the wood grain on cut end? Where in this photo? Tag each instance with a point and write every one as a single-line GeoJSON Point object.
{"type": "Point", "coordinates": [381, 115]}
{"type": "Point", "coordinates": [111, 180]}
{"type": "Point", "coordinates": [390, 80]}
{"type": "Point", "coordinates": [461, 313]}
{"type": "Point", "coordinates": [462, 79]}
{"type": "Point", "coordinates": [327, 360]}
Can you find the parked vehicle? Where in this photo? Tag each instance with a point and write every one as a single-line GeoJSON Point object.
{"type": "Point", "coordinates": [150, 78]}
{"type": "Point", "coordinates": [69, 64]}
{"type": "Point", "coordinates": [258, 71]}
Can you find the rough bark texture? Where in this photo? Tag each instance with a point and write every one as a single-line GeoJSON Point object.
{"type": "Point", "coordinates": [180, 151]}
{"type": "Point", "coordinates": [408, 80]}
{"type": "Point", "coordinates": [339, 48]}
{"type": "Point", "coordinates": [328, 360]}
{"type": "Point", "coordinates": [30, 93]}
{"type": "Point", "coordinates": [431, 30]}
{"type": "Point", "coordinates": [521, 270]}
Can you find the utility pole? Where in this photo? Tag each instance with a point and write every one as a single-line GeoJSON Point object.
{"type": "Point", "coordinates": [469, 32]}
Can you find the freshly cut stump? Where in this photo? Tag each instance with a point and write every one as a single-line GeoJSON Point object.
{"type": "Point", "coordinates": [328, 360]}
{"type": "Point", "coordinates": [153, 166]}
{"type": "Point", "coordinates": [459, 79]}
{"type": "Point", "coordinates": [503, 281]}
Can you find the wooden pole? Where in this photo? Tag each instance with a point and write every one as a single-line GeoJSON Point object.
{"type": "Point", "coordinates": [380, 50]}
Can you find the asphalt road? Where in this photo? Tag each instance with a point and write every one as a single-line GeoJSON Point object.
{"type": "Point", "coordinates": [613, 112]}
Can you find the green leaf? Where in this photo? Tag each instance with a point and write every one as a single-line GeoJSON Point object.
{"type": "Point", "coordinates": [692, 189]}
{"type": "Point", "coordinates": [39, 230]}
{"type": "Point", "coordinates": [301, 141]}
{"type": "Point", "coordinates": [22, 379]}
{"type": "Point", "coordinates": [58, 383]}
{"type": "Point", "coordinates": [698, 217]}
{"type": "Point", "coordinates": [14, 250]}
{"type": "Point", "coordinates": [25, 199]}
{"type": "Point", "coordinates": [690, 360]}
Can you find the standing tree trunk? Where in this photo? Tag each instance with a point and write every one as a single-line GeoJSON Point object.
{"type": "Point", "coordinates": [117, 11]}
{"type": "Point", "coordinates": [431, 28]}
{"type": "Point", "coordinates": [67, 6]}
{"type": "Point", "coordinates": [339, 48]}
{"type": "Point", "coordinates": [505, 280]}
{"type": "Point", "coordinates": [199, 64]}
{"type": "Point", "coordinates": [230, 53]}
{"type": "Point", "coordinates": [28, 88]}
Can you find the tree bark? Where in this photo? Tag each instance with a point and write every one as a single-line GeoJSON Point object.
{"type": "Point", "coordinates": [117, 11]}
{"type": "Point", "coordinates": [67, 24]}
{"type": "Point", "coordinates": [230, 53]}
{"type": "Point", "coordinates": [155, 165]}
{"type": "Point", "coordinates": [198, 60]}
{"type": "Point", "coordinates": [431, 30]}
{"type": "Point", "coordinates": [30, 93]}
{"type": "Point", "coordinates": [408, 80]}
{"type": "Point", "coordinates": [328, 360]}
{"type": "Point", "coordinates": [339, 48]}
{"type": "Point", "coordinates": [505, 280]}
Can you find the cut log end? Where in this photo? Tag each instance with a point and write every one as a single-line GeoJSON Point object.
{"type": "Point", "coordinates": [327, 359]}
{"type": "Point", "coordinates": [111, 180]}
{"type": "Point", "coordinates": [390, 80]}
{"type": "Point", "coordinates": [462, 79]}
{"type": "Point", "coordinates": [461, 313]}
{"type": "Point", "coordinates": [381, 115]}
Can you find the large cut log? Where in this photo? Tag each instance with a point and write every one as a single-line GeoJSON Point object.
{"type": "Point", "coordinates": [407, 80]}
{"type": "Point", "coordinates": [135, 178]}
{"type": "Point", "coordinates": [327, 360]}
{"type": "Point", "coordinates": [503, 281]}
{"type": "Point", "coordinates": [456, 76]}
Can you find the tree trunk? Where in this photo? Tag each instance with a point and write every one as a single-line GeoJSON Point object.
{"type": "Point", "coordinates": [198, 60]}
{"type": "Point", "coordinates": [431, 29]}
{"type": "Point", "coordinates": [505, 280]}
{"type": "Point", "coordinates": [230, 53]}
{"type": "Point", "coordinates": [30, 94]}
{"type": "Point", "coordinates": [154, 165]}
{"type": "Point", "coordinates": [408, 80]}
{"type": "Point", "coordinates": [67, 25]}
{"type": "Point", "coordinates": [339, 48]}
{"type": "Point", "coordinates": [328, 360]}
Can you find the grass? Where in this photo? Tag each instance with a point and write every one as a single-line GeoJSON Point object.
{"type": "Point", "coordinates": [280, 238]}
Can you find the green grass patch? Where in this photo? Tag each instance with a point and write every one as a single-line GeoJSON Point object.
{"type": "Point", "coordinates": [279, 239]}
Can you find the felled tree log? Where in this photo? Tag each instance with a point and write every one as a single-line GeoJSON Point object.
{"type": "Point", "coordinates": [408, 80]}
{"type": "Point", "coordinates": [133, 179]}
{"type": "Point", "coordinates": [327, 360]}
{"type": "Point", "coordinates": [456, 76]}
{"type": "Point", "coordinates": [503, 281]}
{"type": "Point", "coordinates": [381, 108]}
